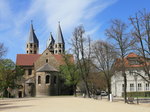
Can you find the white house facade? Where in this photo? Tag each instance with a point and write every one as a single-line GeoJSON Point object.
{"type": "Point", "coordinates": [134, 81]}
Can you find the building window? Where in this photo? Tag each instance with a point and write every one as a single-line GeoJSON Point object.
{"type": "Point", "coordinates": [46, 60]}
{"type": "Point", "coordinates": [56, 51]}
{"type": "Point", "coordinates": [131, 87]}
{"type": "Point", "coordinates": [122, 87]}
{"type": "Point", "coordinates": [27, 52]}
{"type": "Point", "coordinates": [34, 46]}
{"type": "Point", "coordinates": [55, 46]}
{"type": "Point", "coordinates": [59, 51]}
{"type": "Point", "coordinates": [59, 45]}
{"type": "Point", "coordinates": [39, 79]}
{"type": "Point", "coordinates": [139, 86]}
{"type": "Point", "coordinates": [30, 45]}
{"type": "Point", "coordinates": [30, 51]}
{"type": "Point", "coordinates": [47, 79]}
{"type": "Point", "coordinates": [29, 71]}
{"type": "Point", "coordinates": [34, 52]}
{"type": "Point", "coordinates": [55, 78]}
{"type": "Point", "coordinates": [147, 86]}
{"type": "Point", "coordinates": [46, 53]}
{"type": "Point", "coordinates": [27, 45]}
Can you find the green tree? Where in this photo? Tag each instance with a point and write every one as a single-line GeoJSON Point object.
{"type": "Point", "coordinates": [10, 74]}
{"type": "Point", "coordinates": [70, 72]}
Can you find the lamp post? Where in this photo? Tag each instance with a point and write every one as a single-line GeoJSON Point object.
{"type": "Point", "coordinates": [135, 77]}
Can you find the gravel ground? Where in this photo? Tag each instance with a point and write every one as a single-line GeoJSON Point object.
{"type": "Point", "coordinates": [68, 104]}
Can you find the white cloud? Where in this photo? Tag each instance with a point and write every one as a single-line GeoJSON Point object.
{"type": "Point", "coordinates": [47, 13]}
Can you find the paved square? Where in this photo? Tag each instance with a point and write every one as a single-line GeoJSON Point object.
{"type": "Point", "coordinates": [67, 104]}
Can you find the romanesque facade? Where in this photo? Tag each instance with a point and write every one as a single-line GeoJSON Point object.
{"type": "Point", "coordinates": [41, 75]}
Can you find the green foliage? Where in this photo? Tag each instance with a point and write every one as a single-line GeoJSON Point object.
{"type": "Point", "coordinates": [138, 94]}
{"type": "Point", "coordinates": [9, 74]}
{"type": "Point", "coordinates": [69, 71]}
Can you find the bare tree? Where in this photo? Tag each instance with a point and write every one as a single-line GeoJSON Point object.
{"type": "Point", "coordinates": [81, 45]}
{"type": "Point", "coordinates": [104, 56]}
{"type": "Point", "coordinates": [117, 32]}
{"type": "Point", "coordinates": [2, 50]}
{"type": "Point", "coordinates": [141, 33]}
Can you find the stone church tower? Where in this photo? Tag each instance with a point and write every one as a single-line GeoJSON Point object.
{"type": "Point", "coordinates": [59, 46]}
{"type": "Point", "coordinates": [32, 45]}
{"type": "Point", "coordinates": [50, 43]}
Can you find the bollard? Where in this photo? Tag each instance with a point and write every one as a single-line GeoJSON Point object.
{"type": "Point", "coordinates": [111, 97]}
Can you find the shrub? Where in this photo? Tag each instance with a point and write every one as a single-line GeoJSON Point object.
{"type": "Point", "coordinates": [138, 94]}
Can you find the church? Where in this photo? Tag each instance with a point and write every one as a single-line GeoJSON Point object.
{"type": "Point", "coordinates": [41, 71]}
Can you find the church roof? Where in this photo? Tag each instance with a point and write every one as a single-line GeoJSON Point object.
{"type": "Point", "coordinates": [50, 41]}
{"type": "Point", "coordinates": [59, 37]}
{"type": "Point", "coordinates": [29, 59]}
{"type": "Point", "coordinates": [32, 37]}
{"type": "Point", "coordinates": [26, 59]}
{"type": "Point", "coordinates": [47, 68]}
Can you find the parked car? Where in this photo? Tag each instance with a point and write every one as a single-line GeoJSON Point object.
{"type": "Point", "coordinates": [104, 93]}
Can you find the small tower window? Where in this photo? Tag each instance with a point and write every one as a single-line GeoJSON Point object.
{"type": "Point", "coordinates": [27, 52]}
{"type": "Point", "coordinates": [30, 45]}
{"type": "Point", "coordinates": [56, 46]}
{"type": "Point", "coordinates": [27, 45]}
{"type": "Point", "coordinates": [39, 79]}
{"type": "Point", "coordinates": [30, 51]}
{"type": "Point", "coordinates": [34, 46]}
{"type": "Point", "coordinates": [46, 60]}
{"type": "Point", "coordinates": [59, 45]}
{"type": "Point", "coordinates": [59, 51]}
{"type": "Point", "coordinates": [47, 79]}
{"type": "Point", "coordinates": [56, 51]}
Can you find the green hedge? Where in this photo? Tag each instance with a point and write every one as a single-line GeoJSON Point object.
{"type": "Point", "coordinates": [138, 94]}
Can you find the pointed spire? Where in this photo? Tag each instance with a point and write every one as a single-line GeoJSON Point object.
{"type": "Point", "coordinates": [50, 41]}
{"type": "Point", "coordinates": [32, 37]}
{"type": "Point", "coordinates": [59, 38]}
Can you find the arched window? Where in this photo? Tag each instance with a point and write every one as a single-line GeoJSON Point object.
{"type": "Point", "coordinates": [59, 51]}
{"type": "Point", "coordinates": [46, 60]}
{"type": "Point", "coordinates": [47, 79]}
{"type": "Point", "coordinates": [39, 79]}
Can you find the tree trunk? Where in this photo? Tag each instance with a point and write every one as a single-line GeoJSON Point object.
{"type": "Point", "coordinates": [87, 89]}
{"type": "Point", "coordinates": [109, 89]}
{"type": "Point", "coordinates": [74, 90]}
{"type": "Point", "coordinates": [125, 87]}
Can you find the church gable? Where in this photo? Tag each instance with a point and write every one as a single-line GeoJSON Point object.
{"type": "Point", "coordinates": [46, 57]}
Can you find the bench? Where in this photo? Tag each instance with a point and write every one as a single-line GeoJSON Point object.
{"type": "Point", "coordinates": [130, 100]}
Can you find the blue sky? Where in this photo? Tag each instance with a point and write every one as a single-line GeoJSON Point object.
{"type": "Point", "coordinates": [94, 15]}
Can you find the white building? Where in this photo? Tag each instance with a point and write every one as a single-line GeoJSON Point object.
{"type": "Point", "coordinates": [134, 81]}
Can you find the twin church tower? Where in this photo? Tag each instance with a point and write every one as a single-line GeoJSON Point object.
{"type": "Point", "coordinates": [56, 46]}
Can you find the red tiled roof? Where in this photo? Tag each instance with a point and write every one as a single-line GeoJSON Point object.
{"type": "Point", "coordinates": [29, 59]}
{"type": "Point", "coordinates": [127, 62]}
{"type": "Point", "coordinates": [131, 55]}
{"type": "Point", "coordinates": [59, 58]}
{"type": "Point", "coordinates": [26, 59]}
